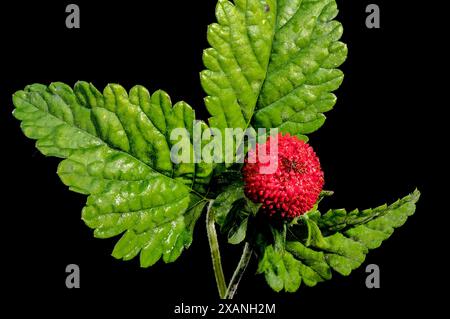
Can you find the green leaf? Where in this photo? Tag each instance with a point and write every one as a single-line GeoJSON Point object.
{"type": "Point", "coordinates": [281, 270]}
{"type": "Point", "coordinates": [232, 210]}
{"type": "Point", "coordinates": [302, 71]}
{"type": "Point", "coordinates": [237, 219]}
{"type": "Point", "coordinates": [315, 237]}
{"type": "Point", "coordinates": [340, 220]}
{"type": "Point", "coordinates": [236, 65]}
{"type": "Point", "coordinates": [310, 258]}
{"type": "Point", "coordinates": [237, 233]}
{"type": "Point", "coordinates": [237, 62]}
{"type": "Point", "coordinates": [235, 215]}
{"type": "Point", "coordinates": [341, 251]}
{"type": "Point", "coordinates": [273, 64]}
{"type": "Point", "coordinates": [116, 149]}
{"type": "Point", "coordinates": [223, 204]}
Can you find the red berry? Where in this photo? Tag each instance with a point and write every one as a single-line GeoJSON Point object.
{"type": "Point", "coordinates": [294, 187]}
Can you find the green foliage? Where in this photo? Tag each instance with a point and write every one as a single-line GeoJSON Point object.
{"type": "Point", "coordinates": [224, 202]}
{"type": "Point", "coordinates": [233, 212]}
{"type": "Point", "coordinates": [116, 149]}
{"type": "Point", "coordinates": [237, 62]}
{"type": "Point", "coordinates": [310, 261]}
{"type": "Point", "coordinates": [302, 71]}
{"type": "Point", "coordinates": [341, 220]}
{"type": "Point", "coordinates": [273, 64]}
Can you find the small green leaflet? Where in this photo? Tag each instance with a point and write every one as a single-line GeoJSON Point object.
{"type": "Point", "coordinates": [273, 64]}
{"type": "Point", "coordinates": [232, 212]}
{"type": "Point", "coordinates": [223, 203]}
{"type": "Point", "coordinates": [287, 267]}
{"type": "Point", "coordinates": [116, 149]}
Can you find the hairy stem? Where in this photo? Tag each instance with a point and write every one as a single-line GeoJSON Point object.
{"type": "Point", "coordinates": [215, 252]}
{"type": "Point", "coordinates": [239, 272]}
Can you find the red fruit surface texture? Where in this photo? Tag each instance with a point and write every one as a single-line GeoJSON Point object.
{"type": "Point", "coordinates": [294, 187]}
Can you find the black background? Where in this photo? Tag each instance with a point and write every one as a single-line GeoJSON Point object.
{"type": "Point", "coordinates": [377, 145]}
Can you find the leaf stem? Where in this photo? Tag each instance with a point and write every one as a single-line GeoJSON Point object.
{"type": "Point", "coordinates": [215, 252]}
{"type": "Point", "coordinates": [239, 272]}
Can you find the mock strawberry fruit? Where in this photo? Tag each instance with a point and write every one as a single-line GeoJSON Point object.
{"type": "Point", "coordinates": [293, 186]}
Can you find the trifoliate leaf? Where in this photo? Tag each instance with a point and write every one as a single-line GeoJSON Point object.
{"type": "Point", "coordinates": [273, 64]}
{"type": "Point", "coordinates": [342, 251]}
{"type": "Point", "coordinates": [117, 150]}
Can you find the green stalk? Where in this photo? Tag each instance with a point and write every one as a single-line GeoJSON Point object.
{"type": "Point", "coordinates": [239, 272]}
{"type": "Point", "coordinates": [215, 252]}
